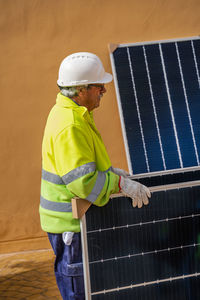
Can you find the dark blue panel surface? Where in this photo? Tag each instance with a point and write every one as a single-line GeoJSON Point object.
{"type": "Point", "coordinates": [163, 205]}
{"type": "Point", "coordinates": [189, 52]}
{"type": "Point", "coordinates": [128, 104]}
{"type": "Point", "coordinates": [145, 108]}
{"type": "Point", "coordinates": [129, 246]}
{"type": "Point", "coordinates": [159, 87]}
{"type": "Point", "coordinates": [162, 108]}
{"type": "Point", "coordinates": [178, 97]}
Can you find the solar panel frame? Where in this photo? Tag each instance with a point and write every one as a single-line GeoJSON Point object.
{"type": "Point", "coordinates": [86, 269]}
{"type": "Point", "coordinates": [139, 175]}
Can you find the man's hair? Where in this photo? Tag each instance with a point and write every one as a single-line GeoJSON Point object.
{"type": "Point", "coordinates": [71, 91]}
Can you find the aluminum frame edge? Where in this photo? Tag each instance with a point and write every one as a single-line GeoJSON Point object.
{"type": "Point", "coordinates": [86, 270]}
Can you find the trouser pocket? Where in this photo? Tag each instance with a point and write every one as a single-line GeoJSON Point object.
{"type": "Point", "coordinates": [78, 287]}
{"type": "Point", "coordinates": [75, 271]}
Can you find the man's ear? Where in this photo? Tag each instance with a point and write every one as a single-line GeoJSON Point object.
{"type": "Point", "coordinates": [82, 92]}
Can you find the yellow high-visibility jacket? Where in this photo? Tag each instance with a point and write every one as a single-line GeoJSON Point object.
{"type": "Point", "coordinates": [74, 163]}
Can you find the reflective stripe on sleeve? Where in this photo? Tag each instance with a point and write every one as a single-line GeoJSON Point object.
{"type": "Point", "coordinates": [71, 176]}
{"type": "Point", "coordinates": [55, 206]}
{"type": "Point", "coordinates": [97, 187]}
{"type": "Point", "coordinates": [52, 177]}
{"type": "Point", "coordinates": [79, 172]}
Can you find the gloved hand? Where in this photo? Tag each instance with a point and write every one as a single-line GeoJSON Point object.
{"type": "Point", "coordinates": [120, 172]}
{"type": "Point", "coordinates": [139, 193]}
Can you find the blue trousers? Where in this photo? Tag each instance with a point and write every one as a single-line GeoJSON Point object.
{"type": "Point", "coordinates": [68, 266]}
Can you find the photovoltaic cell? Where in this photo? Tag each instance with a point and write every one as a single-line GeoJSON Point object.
{"type": "Point", "coordinates": [152, 252]}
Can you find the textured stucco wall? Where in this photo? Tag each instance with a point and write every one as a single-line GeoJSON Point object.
{"type": "Point", "coordinates": [35, 36]}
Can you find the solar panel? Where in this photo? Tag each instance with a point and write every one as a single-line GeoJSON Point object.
{"type": "Point", "coordinates": [147, 253]}
{"type": "Point", "coordinates": [158, 87]}
{"type": "Point", "coordinates": [152, 252]}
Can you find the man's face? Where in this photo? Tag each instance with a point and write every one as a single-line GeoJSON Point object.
{"type": "Point", "coordinates": [92, 95]}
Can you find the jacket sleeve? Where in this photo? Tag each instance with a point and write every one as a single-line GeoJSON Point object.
{"type": "Point", "coordinates": [75, 163]}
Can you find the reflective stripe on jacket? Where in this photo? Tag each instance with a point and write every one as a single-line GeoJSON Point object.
{"type": "Point", "coordinates": [74, 163]}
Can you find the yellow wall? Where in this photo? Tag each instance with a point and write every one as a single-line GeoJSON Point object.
{"type": "Point", "coordinates": [35, 36]}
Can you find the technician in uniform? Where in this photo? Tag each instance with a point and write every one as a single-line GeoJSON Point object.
{"type": "Point", "coordinates": [75, 163]}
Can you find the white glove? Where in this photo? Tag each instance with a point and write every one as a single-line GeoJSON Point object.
{"type": "Point", "coordinates": [67, 237]}
{"type": "Point", "coordinates": [139, 193]}
{"type": "Point", "coordinates": [120, 172]}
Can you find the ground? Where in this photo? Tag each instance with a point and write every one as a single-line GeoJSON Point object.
{"type": "Point", "coordinates": [28, 275]}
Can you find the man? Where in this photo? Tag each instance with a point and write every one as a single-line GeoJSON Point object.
{"type": "Point", "coordinates": [75, 163]}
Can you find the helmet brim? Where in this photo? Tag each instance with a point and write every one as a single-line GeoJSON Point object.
{"type": "Point", "coordinates": [106, 79]}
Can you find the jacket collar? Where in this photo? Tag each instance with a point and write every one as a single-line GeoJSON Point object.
{"type": "Point", "coordinates": [64, 101]}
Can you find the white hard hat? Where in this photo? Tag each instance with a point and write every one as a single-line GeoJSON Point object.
{"type": "Point", "coordinates": [82, 68]}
